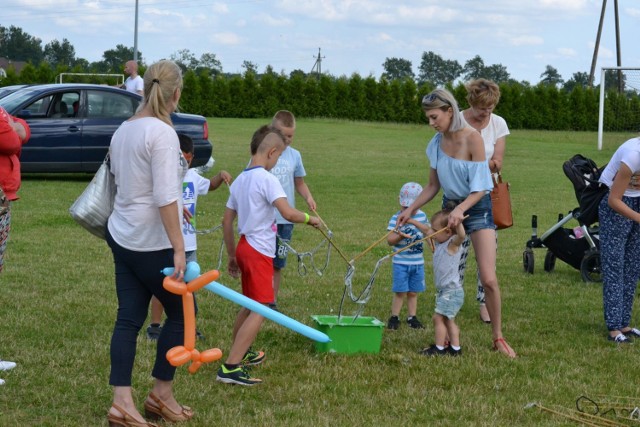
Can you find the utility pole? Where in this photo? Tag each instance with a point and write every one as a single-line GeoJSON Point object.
{"type": "Point", "coordinates": [618, 50]}
{"type": "Point", "coordinates": [597, 46]}
{"type": "Point", "coordinates": [135, 36]}
{"type": "Point", "coordinates": [318, 65]}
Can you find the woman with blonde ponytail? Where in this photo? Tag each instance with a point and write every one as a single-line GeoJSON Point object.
{"type": "Point", "coordinates": [144, 234]}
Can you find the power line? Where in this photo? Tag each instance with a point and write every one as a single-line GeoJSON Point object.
{"type": "Point", "coordinates": [318, 65]}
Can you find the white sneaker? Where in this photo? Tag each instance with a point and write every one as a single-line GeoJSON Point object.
{"type": "Point", "coordinates": [1, 381]}
{"type": "Point", "coordinates": [5, 365]}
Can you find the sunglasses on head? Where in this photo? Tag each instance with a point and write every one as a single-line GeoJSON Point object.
{"type": "Point", "coordinates": [432, 97]}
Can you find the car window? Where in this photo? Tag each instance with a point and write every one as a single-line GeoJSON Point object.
{"type": "Point", "coordinates": [112, 105]}
{"type": "Point", "coordinates": [40, 107]}
{"type": "Point", "coordinates": [63, 105]}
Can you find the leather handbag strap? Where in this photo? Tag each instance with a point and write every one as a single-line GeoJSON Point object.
{"type": "Point", "coordinates": [498, 181]}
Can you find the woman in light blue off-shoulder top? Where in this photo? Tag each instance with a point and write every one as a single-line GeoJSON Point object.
{"type": "Point", "coordinates": [459, 167]}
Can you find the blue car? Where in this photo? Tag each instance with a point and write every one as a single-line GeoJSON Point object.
{"type": "Point", "coordinates": [7, 90]}
{"type": "Point", "coordinates": [72, 124]}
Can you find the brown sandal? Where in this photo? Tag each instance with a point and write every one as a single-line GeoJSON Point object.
{"type": "Point", "coordinates": [125, 420]}
{"type": "Point", "coordinates": [161, 411]}
{"type": "Point", "coordinates": [499, 344]}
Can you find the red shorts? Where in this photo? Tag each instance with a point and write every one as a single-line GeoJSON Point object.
{"type": "Point", "coordinates": [256, 273]}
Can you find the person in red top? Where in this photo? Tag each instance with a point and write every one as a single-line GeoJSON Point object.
{"type": "Point", "coordinates": [13, 133]}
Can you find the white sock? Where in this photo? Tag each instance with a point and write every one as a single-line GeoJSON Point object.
{"type": "Point", "coordinates": [439, 347]}
{"type": "Point", "coordinates": [455, 347]}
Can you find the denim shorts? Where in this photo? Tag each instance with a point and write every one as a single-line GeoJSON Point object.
{"type": "Point", "coordinates": [449, 302]}
{"type": "Point", "coordinates": [480, 215]}
{"type": "Point", "coordinates": [408, 278]}
{"type": "Point", "coordinates": [285, 231]}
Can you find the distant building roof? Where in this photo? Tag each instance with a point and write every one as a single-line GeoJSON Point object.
{"type": "Point", "coordinates": [6, 63]}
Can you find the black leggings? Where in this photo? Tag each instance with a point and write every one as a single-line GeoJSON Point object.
{"type": "Point", "coordinates": [138, 277]}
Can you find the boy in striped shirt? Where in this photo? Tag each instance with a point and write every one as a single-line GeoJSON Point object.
{"type": "Point", "coordinates": [408, 266]}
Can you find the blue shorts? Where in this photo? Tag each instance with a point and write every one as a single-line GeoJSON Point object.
{"type": "Point", "coordinates": [480, 215]}
{"type": "Point", "coordinates": [408, 278]}
{"type": "Point", "coordinates": [449, 302]}
{"type": "Point", "coordinates": [285, 231]}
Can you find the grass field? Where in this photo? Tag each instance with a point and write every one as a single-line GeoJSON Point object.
{"type": "Point", "coordinates": [58, 302]}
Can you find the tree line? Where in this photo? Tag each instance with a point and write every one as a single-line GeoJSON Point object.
{"type": "Point", "coordinates": [552, 104]}
{"type": "Point", "coordinates": [253, 95]}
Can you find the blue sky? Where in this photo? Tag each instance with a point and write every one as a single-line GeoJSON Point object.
{"type": "Point", "coordinates": [354, 35]}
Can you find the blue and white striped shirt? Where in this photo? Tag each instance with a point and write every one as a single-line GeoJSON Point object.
{"type": "Point", "coordinates": [413, 255]}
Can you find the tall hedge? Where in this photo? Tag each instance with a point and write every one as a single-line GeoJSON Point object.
{"type": "Point", "coordinates": [357, 98]}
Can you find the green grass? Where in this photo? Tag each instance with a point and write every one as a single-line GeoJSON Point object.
{"type": "Point", "coordinates": [58, 302]}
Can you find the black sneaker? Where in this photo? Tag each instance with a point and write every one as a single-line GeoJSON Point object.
{"type": "Point", "coordinates": [153, 331]}
{"type": "Point", "coordinates": [199, 335]}
{"type": "Point", "coordinates": [393, 323]}
{"type": "Point", "coordinates": [414, 323]}
{"type": "Point", "coordinates": [273, 306]}
{"type": "Point", "coordinates": [238, 376]}
{"type": "Point", "coordinates": [433, 351]}
{"type": "Point", "coordinates": [453, 352]}
{"type": "Point", "coordinates": [619, 339]}
{"type": "Point", "coordinates": [632, 333]}
{"type": "Point", "coordinates": [253, 357]}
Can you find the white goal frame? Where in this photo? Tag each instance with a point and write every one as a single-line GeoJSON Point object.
{"type": "Point", "coordinates": [119, 77]}
{"type": "Point", "coordinates": [603, 71]}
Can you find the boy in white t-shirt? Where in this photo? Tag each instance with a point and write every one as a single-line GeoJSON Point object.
{"type": "Point", "coordinates": [290, 172]}
{"type": "Point", "coordinates": [193, 186]}
{"type": "Point", "coordinates": [256, 194]}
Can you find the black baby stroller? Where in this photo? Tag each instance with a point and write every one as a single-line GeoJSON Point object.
{"type": "Point", "coordinates": [579, 246]}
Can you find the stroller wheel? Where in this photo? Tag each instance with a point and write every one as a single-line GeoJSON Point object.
{"type": "Point", "coordinates": [549, 262]}
{"type": "Point", "coordinates": [527, 260]}
{"type": "Point", "coordinates": [590, 266]}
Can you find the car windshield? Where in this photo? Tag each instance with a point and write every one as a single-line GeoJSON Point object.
{"type": "Point", "coordinates": [11, 101]}
{"type": "Point", "coordinates": [6, 90]}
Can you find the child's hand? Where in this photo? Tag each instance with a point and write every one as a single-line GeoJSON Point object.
{"type": "Point", "coordinates": [314, 221]}
{"type": "Point", "coordinates": [312, 204]}
{"type": "Point", "coordinates": [226, 177]}
{"type": "Point", "coordinates": [232, 268]}
{"type": "Point", "coordinates": [186, 215]}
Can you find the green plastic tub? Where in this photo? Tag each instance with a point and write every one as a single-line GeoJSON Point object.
{"type": "Point", "coordinates": [364, 335]}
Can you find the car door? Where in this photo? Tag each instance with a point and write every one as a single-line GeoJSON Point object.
{"type": "Point", "coordinates": [104, 111]}
{"type": "Point", "coordinates": [55, 144]}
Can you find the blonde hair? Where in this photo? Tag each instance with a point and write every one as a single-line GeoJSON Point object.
{"type": "Point", "coordinates": [443, 99]}
{"type": "Point", "coordinates": [161, 80]}
{"type": "Point", "coordinates": [482, 93]}
{"type": "Point", "coordinates": [284, 118]}
{"type": "Point", "coordinates": [442, 216]}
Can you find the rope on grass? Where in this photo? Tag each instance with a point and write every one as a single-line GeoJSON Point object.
{"type": "Point", "coordinates": [622, 408]}
{"type": "Point", "coordinates": [578, 417]}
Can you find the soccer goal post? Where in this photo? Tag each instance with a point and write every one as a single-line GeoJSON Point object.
{"type": "Point", "coordinates": [90, 78]}
{"type": "Point", "coordinates": [619, 107]}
